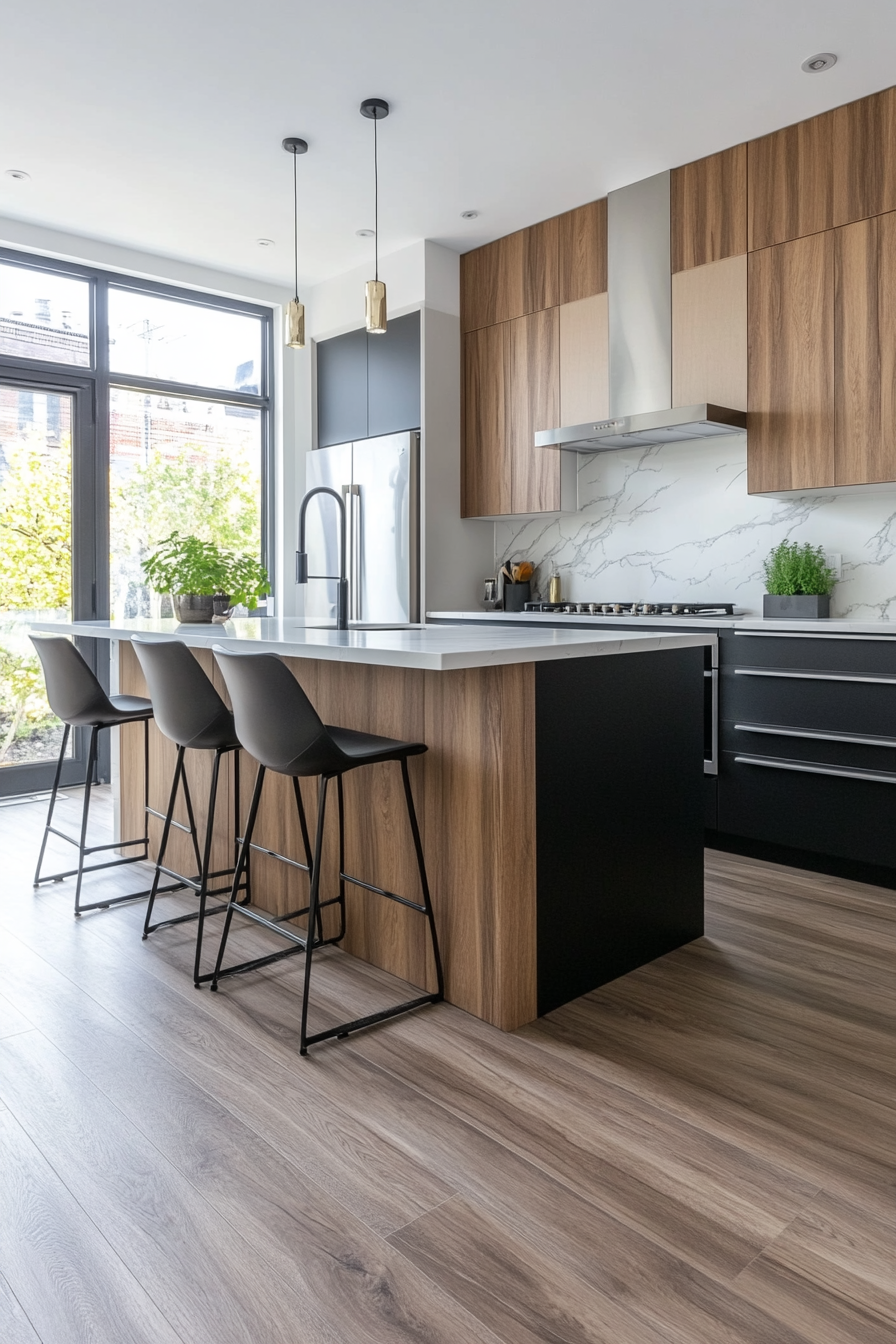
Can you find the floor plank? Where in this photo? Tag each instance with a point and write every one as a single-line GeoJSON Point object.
{"type": "Point", "coordinates": [15, 1327]}
{"type": "Point", "coordinates": [67, 1280]}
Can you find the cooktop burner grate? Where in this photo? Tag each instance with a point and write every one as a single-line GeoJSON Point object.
{"type": "Point", "coordinates": [634, 608]}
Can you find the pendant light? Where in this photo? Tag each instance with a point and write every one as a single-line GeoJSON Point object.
{"type": "Point", "coordinates": [295, 311]}
{"type": "Point", "coordinates": [377, 110]}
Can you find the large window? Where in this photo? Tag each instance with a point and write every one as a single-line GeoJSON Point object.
{"type": "Point", "coordinates": [128, 411]}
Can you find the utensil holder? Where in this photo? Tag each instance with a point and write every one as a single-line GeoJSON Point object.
{"type": "Point", "coordinates": [516, 595]}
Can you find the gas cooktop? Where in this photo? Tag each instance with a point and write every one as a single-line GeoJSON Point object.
{"type": "Point", "coordinates": [703, 609]}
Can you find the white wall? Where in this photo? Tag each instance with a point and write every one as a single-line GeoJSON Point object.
{"type": "Point", "coordinates": [676, 523]}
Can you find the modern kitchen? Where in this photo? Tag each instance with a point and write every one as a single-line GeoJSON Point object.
{"type": "Point", "coordinates": [447, 712]}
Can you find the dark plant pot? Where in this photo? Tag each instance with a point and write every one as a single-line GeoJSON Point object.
{"type": "Point", "coordinates": [798, 607]}
{"type": "Point", "coordinates": [194, 608]}
{"type": "Point", "coordinates": [516, 595]}
{"type": "Point", "coordinates": [223, 606]}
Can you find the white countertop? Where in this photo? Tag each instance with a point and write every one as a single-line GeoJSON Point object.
{"type": "Point", "coordinates": [835, 625]}
{"type": "Point", "coordinates": [436, 648]}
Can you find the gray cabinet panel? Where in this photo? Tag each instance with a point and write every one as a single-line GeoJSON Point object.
{"type": "Point", "coordinates": [342, 389]}
{"type": "Point", "coordinates": [393, 377]}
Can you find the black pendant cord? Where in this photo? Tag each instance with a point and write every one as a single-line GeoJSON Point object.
{"type": "Point", "coordinates": [295, 218]}
{"type": "Point", "coordinates": [376, 208]}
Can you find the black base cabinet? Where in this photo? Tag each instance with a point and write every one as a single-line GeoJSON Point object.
{"type": "Point", "coordinates": [808, 751]}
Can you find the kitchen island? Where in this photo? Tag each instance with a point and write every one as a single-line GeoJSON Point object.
{"type": "Point", "coordinates": [560, 801]}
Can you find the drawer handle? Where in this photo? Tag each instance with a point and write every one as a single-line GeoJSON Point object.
{"type": "Point", "coordinates": [803, 769]}
{"type": "Point", "coordinates": [874, 678]}
{"type": "Point", "coordinates": [774, 731]}
{"type": "Point", "coordinates": [807, 634]}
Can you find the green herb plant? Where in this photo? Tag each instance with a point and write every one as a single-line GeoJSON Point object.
{"type": "Point", "coordinates": [186, 565]}
{"type": "Point", "coordinates": [791, 569]}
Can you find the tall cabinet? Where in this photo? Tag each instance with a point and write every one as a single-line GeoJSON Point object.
{"type": "Point", "coordinates": [534, 322]}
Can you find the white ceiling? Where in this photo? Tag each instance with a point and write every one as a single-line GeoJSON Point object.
{"type": "Point", "coordinates": [159, 125]}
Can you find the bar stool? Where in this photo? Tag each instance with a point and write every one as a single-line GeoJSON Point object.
{"type": "Point", "coordinates": [277, 724]}
{"type": "Point", "coordinates": [78, 699]}
{"type": "Point", "coordinates": [190, 712]}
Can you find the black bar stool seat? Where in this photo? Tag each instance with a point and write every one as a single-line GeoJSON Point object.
{"type": "Point", "coordinates": [190, 712]}
{"type": "Point", "coordinates": [278, 725]}
{"type": "Point", "coordinates": [77, 698]}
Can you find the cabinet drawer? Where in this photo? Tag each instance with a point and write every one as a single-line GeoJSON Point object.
{"type": "Point", "coordinates": [863, 708]}
{"type": "Point", "coordinates": [824, 653]}
{"type": "Point", "coordinates": [851, 751]}
{"type": "Point", "coordinates": [781, 801]}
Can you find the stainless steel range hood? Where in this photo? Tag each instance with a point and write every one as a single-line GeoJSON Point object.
{"type": "Point", "coordinates": [645, 430]}
{"type": "Point", "coordinates": [640, 322]}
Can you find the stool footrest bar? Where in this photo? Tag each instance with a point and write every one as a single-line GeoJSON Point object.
{"type": "Point", "coordinates": [185, 919]}
{"type": "Point", "coordinates": [372, 1019]}
{"type": "Point", "coordinates": [118, 900]}
{"type": "Point", "coordinates": [381, 891]}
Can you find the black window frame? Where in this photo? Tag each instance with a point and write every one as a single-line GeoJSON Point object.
{"type": "Point", "coordinates": [102, 380]}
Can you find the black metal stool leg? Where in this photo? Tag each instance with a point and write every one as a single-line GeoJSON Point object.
{"type": "Point", "coordinates": [240, 865]}
{"type": "Point", "coordinates": [56, 778]}
{"type": "Point", "coordinates": [341, 801]}
{"type": "Point", "coordinates": [313, 908]}
{"type": "Point", "coordinates": [191, 819]}
{"type": "Point", "coordinates": [163, 844]}
{"type": "Point", "coordinates": [206, 863]}
{"type": "Point", "coordinates": [306, 841]}
{"type": "Point", "coordinates": [88, 784]}
{"type": "Point", "coordinates": [247, 898]}
{"type": "Point", "coordinates": [427, 903]}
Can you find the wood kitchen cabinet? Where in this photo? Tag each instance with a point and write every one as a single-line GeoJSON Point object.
{"type": "Point", "coordinates": [709, 210]}
{"type": "Point", "coordinates": [790, 439]}
{"type": "Point", "coordinates": [511, 277]}
{"type": "Point", "coordinates": [584, 360]}
{"type": "Point", "coordinates": [511, 389]}
{"type": "Point", "coordinates": [486, 480]}
{"type": "Point", "coordinates": [790, 182]}
{"type": "Point", "coordinates": [865, 157]}
{"type": "Point", "coordinates": [865, 351]}
{"type": "Point", "coordinates": [583, 252]}
{"type": "Point", "coordinates": [709, 334]}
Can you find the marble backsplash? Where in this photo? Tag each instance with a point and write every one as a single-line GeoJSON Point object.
{"type": "Point", "coordinates": [676, 522]}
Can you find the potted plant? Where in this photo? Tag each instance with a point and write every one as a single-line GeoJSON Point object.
{"type": "Point", "coordinates": [799, 582]}
{"type": "Point", "coordinates": [204, 581]}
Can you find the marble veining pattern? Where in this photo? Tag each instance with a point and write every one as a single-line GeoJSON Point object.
{"type": "Point", "coordinates": [676, 522]}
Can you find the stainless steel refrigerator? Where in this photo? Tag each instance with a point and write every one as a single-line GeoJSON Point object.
{"type": "Point", "coordinates": [378, 481]}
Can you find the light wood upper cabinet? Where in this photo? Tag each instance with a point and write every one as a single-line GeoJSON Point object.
{"type": "Point", "coordinates": [790, 182]}
{"type": "Point", "coordinates": [513, 276]}
{"type": "Point", "coordinates": [709, 334]}
{"type": "Point", "coordinates": [865, 157]}
{"type": "Point", "coordinates": [584, 363]}
{"type": "Point", "coordinates": [790, 440]}
{"type": "Point", "coordinates": [865, 351]}
{"type": "Point", "coordinates": [709, 209]}
{"type": "Point", "coordinates": [534, 403]}
{"type": "Point", "coordinates": [583, 252]}
{"type": "Point", "coordinates": [486, 483]}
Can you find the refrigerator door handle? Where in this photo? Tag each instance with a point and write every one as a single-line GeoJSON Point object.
{"type": "Point", "coordinates": [351, 494]}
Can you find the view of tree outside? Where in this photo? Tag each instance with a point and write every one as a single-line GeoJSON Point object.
{"type": "Point", "coordinates": [178, 465]}
{"type": "Point", "coordinates": [35, 560]}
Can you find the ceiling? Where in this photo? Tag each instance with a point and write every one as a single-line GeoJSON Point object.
{"type": "Point", "coordinates": [159, 126]}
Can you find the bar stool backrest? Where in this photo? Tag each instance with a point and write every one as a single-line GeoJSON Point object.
{"type": "Point", "coordinates": [275, 720]}
{"type": "Point", "coordinates": [186, 706]}
{"type": "Point", "coordinates": [75, 695]}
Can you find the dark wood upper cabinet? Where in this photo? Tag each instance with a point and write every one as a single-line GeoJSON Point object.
{"type": "Point", "coordinates": [513, 276]}
{"type": "Point", "coordinates": [709, 209]}
{"type": "Point", "coordinates": [533, 388]}
{"type": "Point", "coordinates": [790, 420]}
{"type": "Point", "coordinates": [583, 252]}
{"type": "Point", "coordinates": [865, 157]}
{"type": "Point", "coordinates": [790, 182]}
{"type": "Point", "coordinates": [865, 351]}
{"type": "Point", "coordinates": [486, 477]}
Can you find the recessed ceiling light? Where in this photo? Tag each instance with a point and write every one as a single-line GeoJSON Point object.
{"type": "Point", "coordinates": [264, 242]}
{"type": "Point", "coordinates": [814, 65]}
{"type": "Point", "coordinates": [18, 174]}
{"type": "Point", "coordinates": [365, 233]}
{"type": "Point", "coordinates": [469, 214]}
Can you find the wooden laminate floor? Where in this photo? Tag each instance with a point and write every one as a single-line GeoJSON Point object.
{"type": "Point", "coordinates": [700, 1153]}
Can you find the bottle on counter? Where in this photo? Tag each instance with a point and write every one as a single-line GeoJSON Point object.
{"type": "Point", "coordinates": [555, 588]}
